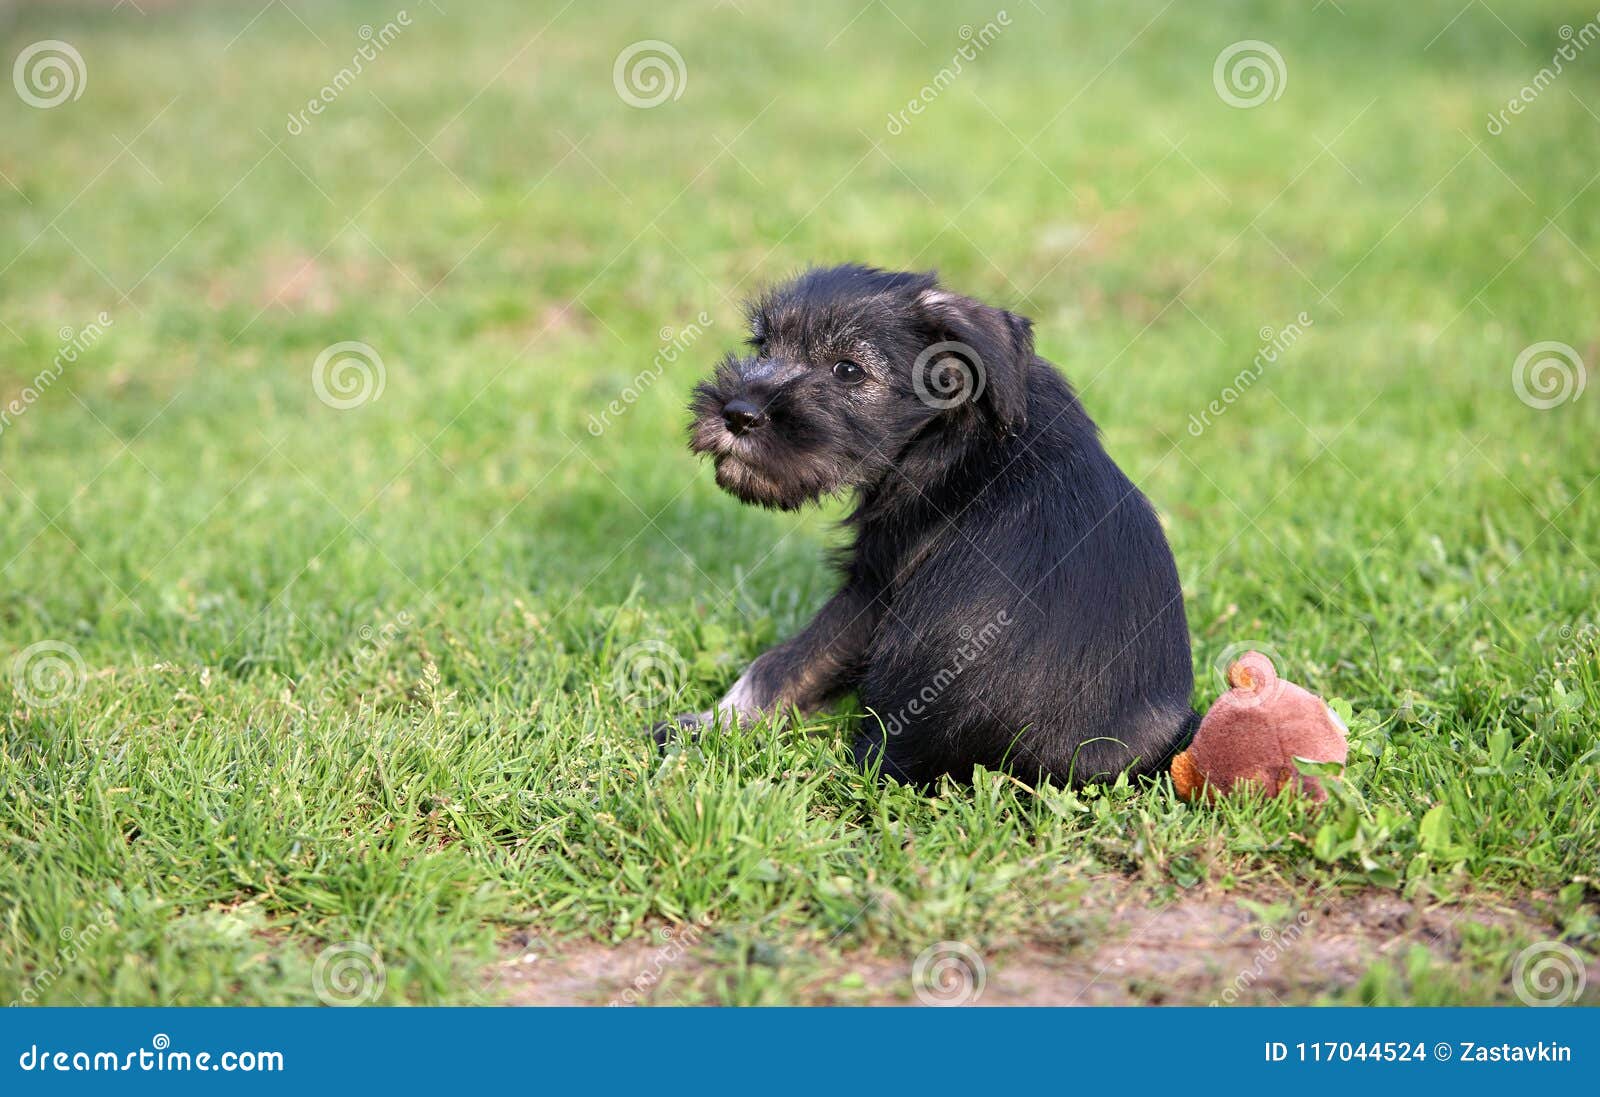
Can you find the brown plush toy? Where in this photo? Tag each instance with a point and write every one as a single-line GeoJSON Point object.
{"type": "Point", "coordinates": [1254, 732]}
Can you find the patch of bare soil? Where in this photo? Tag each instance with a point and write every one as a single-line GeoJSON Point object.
{"type": "Point", "coordinates": [534, 973]}
{"type": "Point", "coordinates": [1196, 951]}
{"type": "Point", "coordinates": [1213, 950]}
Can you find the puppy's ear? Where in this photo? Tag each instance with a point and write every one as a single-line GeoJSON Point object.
{"type": "Point", "coordinates": [1000, 341]}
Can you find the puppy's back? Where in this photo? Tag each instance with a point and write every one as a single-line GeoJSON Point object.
{"type": "Point", "coordinates": [1049, 632]}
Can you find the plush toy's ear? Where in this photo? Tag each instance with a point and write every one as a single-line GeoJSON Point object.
{"type": "Point", "coordinates": [1252, 671]}
{"type": "Point", "coordinates": [996, 346]}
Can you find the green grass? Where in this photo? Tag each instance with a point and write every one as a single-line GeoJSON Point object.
{"type": "Point", "coordinates": [379, 674]}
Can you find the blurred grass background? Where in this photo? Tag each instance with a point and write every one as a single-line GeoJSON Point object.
{"type": "Point", "coordinates": [243, 772]}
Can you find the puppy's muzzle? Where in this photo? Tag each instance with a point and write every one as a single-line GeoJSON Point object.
{"type": "Point", "coordinates": [741, 417]}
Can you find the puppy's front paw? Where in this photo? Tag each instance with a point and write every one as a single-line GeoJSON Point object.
{"type": "Point", "coordinates": [686, 727]}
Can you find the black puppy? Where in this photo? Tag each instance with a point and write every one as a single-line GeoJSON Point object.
{"type": "Point", "coordinates": [1009, 599]}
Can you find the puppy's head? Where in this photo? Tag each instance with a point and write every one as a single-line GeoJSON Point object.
{"type": "Point", "coordinates": [848, 368]}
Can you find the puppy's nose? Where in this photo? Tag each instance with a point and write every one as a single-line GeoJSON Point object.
{"type": "Point", "coordinates": [741, 416]}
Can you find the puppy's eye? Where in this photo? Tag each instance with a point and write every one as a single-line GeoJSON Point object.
{"type": "Point", "coordinates": [848, 372]}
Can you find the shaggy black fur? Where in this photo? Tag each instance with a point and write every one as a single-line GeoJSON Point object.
{"type": "Point", "coordinates": [1009, 599]}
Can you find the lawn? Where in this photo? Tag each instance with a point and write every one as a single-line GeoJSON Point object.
{"type": "Point", "coordinates": [350, 539]}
